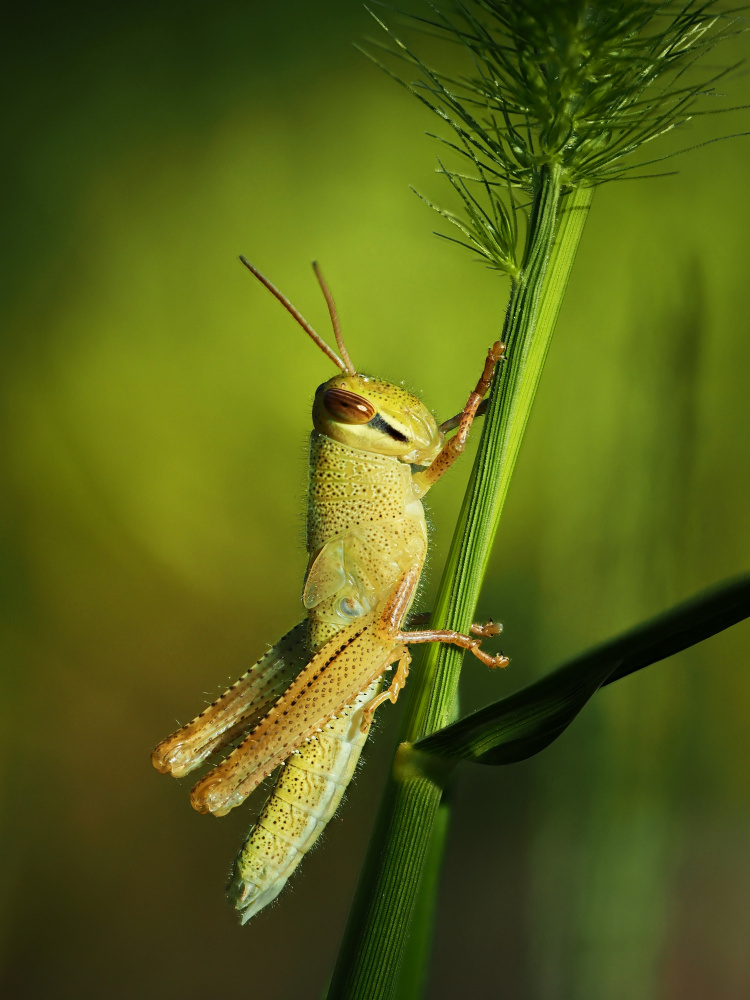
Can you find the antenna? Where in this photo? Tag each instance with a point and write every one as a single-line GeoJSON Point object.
{"type": "Point", "coordinates": [298, 316]}
{"type": "Point", "coordinates": [334, 318]}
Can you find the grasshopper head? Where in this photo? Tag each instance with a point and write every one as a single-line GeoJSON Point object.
{"type": "Point", "coordinates": [372, 415]}
{"type": "Point", "coordinates": [360, 411]}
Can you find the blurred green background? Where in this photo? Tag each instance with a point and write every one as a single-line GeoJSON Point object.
{"type": "Point", "coordinates": [155, 410]}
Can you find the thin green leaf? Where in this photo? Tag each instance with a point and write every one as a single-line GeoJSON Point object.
{"type": "Point", "coordinates": [519, 726]}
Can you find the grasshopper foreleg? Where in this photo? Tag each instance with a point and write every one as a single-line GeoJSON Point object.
{"type": "Point", "coordinates": [453, 447]}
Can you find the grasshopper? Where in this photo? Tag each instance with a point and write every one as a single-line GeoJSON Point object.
{"type": "Point", "coordinates": [308, 703]}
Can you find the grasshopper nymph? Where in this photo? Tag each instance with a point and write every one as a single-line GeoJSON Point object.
{"type": "Point", "coordinates": [308, 703]}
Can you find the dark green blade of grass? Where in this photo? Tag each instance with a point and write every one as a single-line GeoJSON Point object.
{"type": "Point", "coordinates": [519, 726]}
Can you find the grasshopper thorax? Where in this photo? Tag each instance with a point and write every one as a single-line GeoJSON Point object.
{"type": "Point", "coordinates": [376, 416]}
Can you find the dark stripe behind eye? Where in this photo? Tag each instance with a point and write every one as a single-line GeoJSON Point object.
{"type": "Point", "coordinates": [382, 425]}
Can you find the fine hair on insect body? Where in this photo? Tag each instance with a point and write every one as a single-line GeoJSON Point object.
{"type": "Point", "coordinates": [307, 704]}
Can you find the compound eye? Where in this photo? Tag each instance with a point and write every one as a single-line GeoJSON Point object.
{"type": "Point", "coordinates": [348, 407]}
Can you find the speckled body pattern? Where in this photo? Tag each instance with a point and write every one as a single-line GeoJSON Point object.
{"type": "Point", "coordinates": [307, 794]}
{"type": "Point", "coordinates": [365, 528]}
{"type": "Point", "coordinates": [307, 704]}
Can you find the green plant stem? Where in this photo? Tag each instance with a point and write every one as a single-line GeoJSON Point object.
{"type": "Point", "coordinates": [415, 963]}
{"type": "Point", "coordinates": [376, 934]}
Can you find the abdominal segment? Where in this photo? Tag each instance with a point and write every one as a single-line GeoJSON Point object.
{"type": "Point", "coordinates": [306, 796]}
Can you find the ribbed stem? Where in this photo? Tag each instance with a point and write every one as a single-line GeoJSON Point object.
{"type": "Point", "coordinates": [378, 927]}
{"type": "Point", "coordinates": [415, 961]}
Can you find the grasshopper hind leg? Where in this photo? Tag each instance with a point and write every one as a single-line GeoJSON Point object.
{"type": "Point", "coordinates": [391, 693]}
{"type": "Point", "coordinates": [235, 711]}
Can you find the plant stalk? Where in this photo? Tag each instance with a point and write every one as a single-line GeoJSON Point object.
{"type": "Point", "coordinates": [379, 923]}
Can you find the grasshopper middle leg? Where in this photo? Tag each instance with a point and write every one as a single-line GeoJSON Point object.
{"type": "Point", "coordinates": [396, 608]}
{"type": "Point", "coordinates": [487, 630]}
{"type": "Point", "coordinates": [457, 639]}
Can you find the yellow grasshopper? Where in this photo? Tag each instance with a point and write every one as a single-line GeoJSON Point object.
{"type": "Point", "coordinates": [308, 703]}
